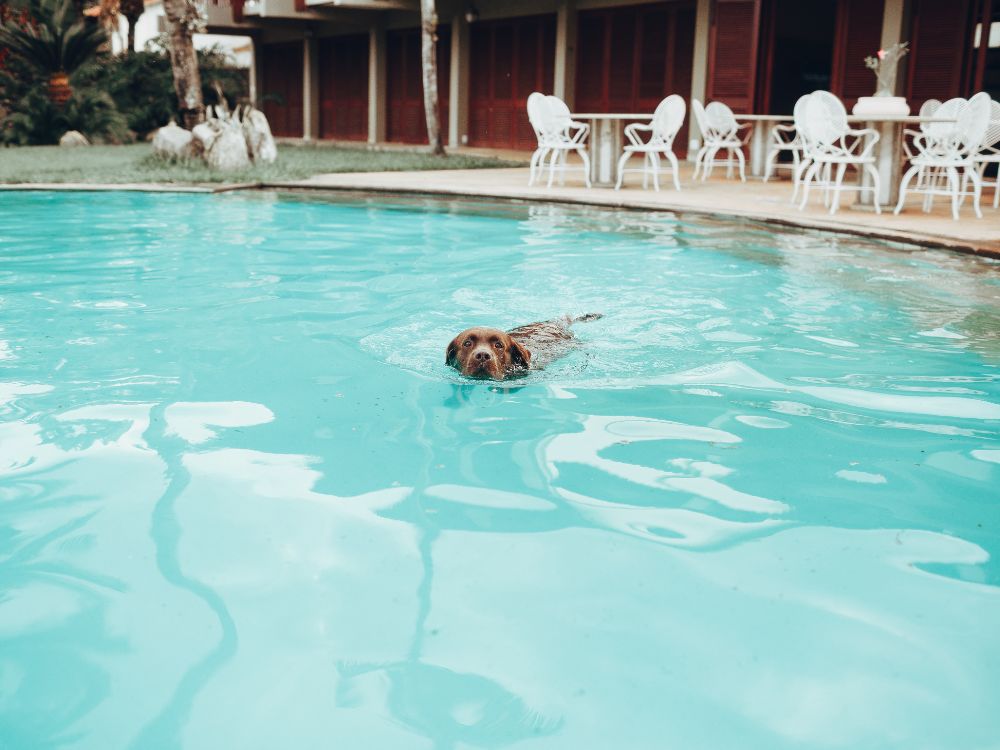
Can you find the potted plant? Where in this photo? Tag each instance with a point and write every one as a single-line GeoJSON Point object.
{"type": "Point", "coordinates": [884, 64]}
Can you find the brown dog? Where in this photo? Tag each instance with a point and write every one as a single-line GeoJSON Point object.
{"type": "Point", "coordinates": [494, 354]}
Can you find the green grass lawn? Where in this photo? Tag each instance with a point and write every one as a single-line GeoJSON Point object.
{"type": "Point", "coordinates": [136, 163]}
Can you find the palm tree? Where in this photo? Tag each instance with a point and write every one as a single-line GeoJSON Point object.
{"type": "Point", "coordinates": [184, 19]}
{"type": "Point", "coordinates": [130, 10]}
{"type": "Point", "coordinates": [428, 56]}
{"type": "Point", "coordinates": [56, 44]}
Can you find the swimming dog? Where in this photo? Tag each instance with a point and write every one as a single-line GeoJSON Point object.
{"type": "Point", "coordinates": [489, 353]}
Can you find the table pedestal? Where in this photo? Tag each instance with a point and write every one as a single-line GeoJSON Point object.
{"type": "Point", "coordinates": [887, 163]}
{"type": "Point", "coordinates": [605, 148]}
{"type": "Point", "coordinates": [759, 139]}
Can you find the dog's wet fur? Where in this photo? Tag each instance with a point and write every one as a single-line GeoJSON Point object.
{"type": "Point", "coordinates": [492, 354]}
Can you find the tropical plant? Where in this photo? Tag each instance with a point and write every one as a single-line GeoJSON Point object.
{"type": "Point", "coordinates": [56, 43]}
{"type": "Point", "coordinates": [39, 121]}
{"type": "Point", "coordinates": [142, 87]}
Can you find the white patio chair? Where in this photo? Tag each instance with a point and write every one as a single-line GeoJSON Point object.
{"type": "Point", "coordinates": [719, 131]}
{"type": "Point", "coordinates": [537, 115]}
{"type": "Point", "coordinates": [832, 146]}
{"type": "Point", "coordinates": [801, 154]}
{"type": "Point", "coordinates": [557, 135]}
{"type": "Point", "coordinates": [785, 138]}
{"type": "Point", "coordinates": [990, 153]}
{"type": "Point", "coordinates": [949, 149]}
{"type": "Point", "coordinates": [667, 120]}
{"type": "Point", "coordinates": [927, 109]}
{"type": "Point", "coordinates": [571, 136]}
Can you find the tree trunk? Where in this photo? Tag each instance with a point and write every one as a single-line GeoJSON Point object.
{"type": "Point", "coordinates": [428, 55]}
{"type": "Point", "coordinates": [130, 44]}
{"type": "Point", "coordinates": [183, 20]}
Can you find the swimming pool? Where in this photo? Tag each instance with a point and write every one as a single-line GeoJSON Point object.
{"type": "Point", "coordinates": [244, 504]}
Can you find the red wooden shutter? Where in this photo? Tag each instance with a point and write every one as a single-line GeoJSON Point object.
{"type": "Point", "coordinates": [591, 62]}
{"type": "Point", "coordinates": [732, 55]}
{"type": "Point", "coordinates": [343, 87]}
{"type": "Point", "coordinates": [858, 35]}
{"type": "Point", "coordinates": [509, 60]}
{"type": "Point", "coordinates": [629, 59]}
{"type": "Point", "coordinates": [621, 59]}
{"type": "Point", "coordinates": [940, 38]}
{"type": "Point", "coordinates": [282, 88]}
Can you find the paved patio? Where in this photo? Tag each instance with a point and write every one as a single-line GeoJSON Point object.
{"type": "Point", "coordinates": [718, 196]}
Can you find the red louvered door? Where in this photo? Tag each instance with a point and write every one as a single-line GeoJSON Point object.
{"type": "Point", "coordinates": [939, 50]}
{"type": "Point", "coordinates": [509, 59]}
{"type": "Point", "coordinates": [405, 121]}
{"type": "Point", "coordinates": [858, 35]}
{"type": "Point", "coordinates": [732, 53]}
{"type": "Point", "coordinates": [629, 59]}
{"type": "Point", "coordinates": [343, 87]}
{"type": "Point", "coordinates": [281, 90]}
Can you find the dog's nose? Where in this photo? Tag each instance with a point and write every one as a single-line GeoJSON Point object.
{"type": "Point", "coordinates": [482, 356]}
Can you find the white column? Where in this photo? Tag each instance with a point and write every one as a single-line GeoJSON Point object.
{"type": "Point", "coordinates": [564, 82]}
{"type": "Point", "coordinates": [310, 87]}
{"type": "Point", "coordinates": [458, 83]}
{"type": "Point", "coordinates": [376, 84]}
{"type": "Point", "coordinates": [699, 71]}
{"type": "Point", "coordinates": [894, 21]}
{"type": "Point", "coordinates": [888, 163]}
{"type": "Point", "coordinates": [254, 71]}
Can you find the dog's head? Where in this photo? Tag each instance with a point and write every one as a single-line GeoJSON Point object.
{"type": "Point", "coordinates": [486, 353]}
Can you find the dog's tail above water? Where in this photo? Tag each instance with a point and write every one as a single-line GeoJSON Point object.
{"type": "Point", "coordinates": [584, 318]}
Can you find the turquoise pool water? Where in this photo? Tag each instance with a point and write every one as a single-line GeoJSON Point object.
{"type": "Point", "coordinates": [244, 504]}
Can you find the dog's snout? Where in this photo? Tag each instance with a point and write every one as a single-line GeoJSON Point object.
{"type": "Point", "coordinates": [483, 356]}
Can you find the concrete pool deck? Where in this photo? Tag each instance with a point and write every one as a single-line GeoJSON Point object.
{"type": "Point", "coordinates": [719, 196]}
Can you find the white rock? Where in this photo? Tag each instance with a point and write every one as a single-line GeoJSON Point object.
{"type": "Point", "coordinates": [260, 142]}
{"type": "Point", "coordinates": [228, 150]}
{"type": "Point", "coordinates": [203, 135]}
{"type": "Point", "coordinates": [172, 142]}
{"type": "Point", "coordinates": [73, 138]}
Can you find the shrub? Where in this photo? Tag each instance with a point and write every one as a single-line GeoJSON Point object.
{"type": "Point", "coordinates": [44, 43]}
{"type": "Point", "coordinates": [141, 84]}
{"type": "Point", "coordinates": [37, 121]}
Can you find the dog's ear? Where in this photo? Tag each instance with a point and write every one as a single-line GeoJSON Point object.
{"type": "Point", "coordinates": [519, 355]}
{"type": "Point", "coordinates": [451, 354]}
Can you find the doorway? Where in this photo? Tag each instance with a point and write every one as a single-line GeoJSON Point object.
{"type": "Point", "coordinates": [800, 51]}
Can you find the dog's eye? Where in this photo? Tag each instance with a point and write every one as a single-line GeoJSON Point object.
{"type": "Point", "coordinates": [468, 342]}
{"type": "Point", "coordinates": [499, 345]}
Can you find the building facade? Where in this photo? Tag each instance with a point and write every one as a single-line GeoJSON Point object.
{"type": "Point", "coordinates": [350, 69]}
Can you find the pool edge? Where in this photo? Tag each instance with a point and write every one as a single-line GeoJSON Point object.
{"type": "Point", "coordinates": [933, 241]}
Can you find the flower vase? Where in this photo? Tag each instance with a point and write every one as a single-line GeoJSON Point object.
{"type": "Point", "coordinates": [881, 106]}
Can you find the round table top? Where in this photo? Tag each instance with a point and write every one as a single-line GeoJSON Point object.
{"type": "Point", "coordinates": [908, 119]}
{"type": "Point", "coordinates": [609, 116]}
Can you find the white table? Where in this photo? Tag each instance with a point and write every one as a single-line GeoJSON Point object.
{"type": "Point", "coordinates": [763, 127]}
{"type": "Point", "coordinates": [887, 151]}
{"type": "Point", "coordinates": [606, 143]}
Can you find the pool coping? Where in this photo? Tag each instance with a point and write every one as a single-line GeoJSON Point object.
{"type": "Point", "coordinates": [129, 187]}
{"type": "Point", "coordinates": [981, 249]}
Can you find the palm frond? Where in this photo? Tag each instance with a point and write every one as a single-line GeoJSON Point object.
{"type": "Point", "coordinates": [56, 40]}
